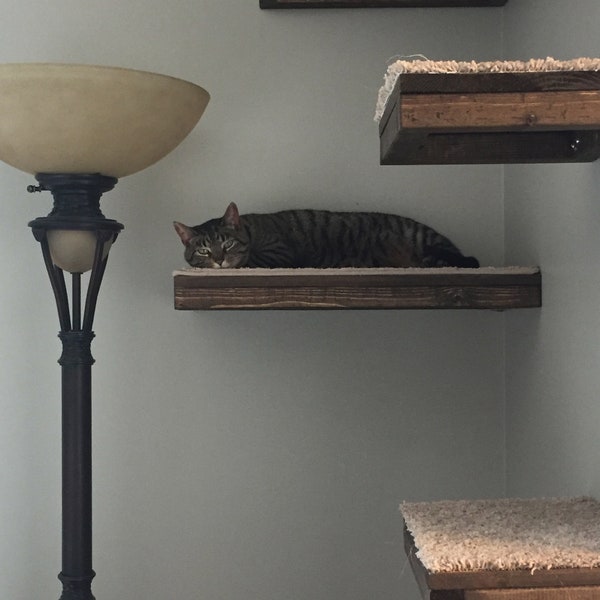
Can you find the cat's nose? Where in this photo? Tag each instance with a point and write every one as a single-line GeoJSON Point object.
{"type": "Point", "coordinates": [218, 257]}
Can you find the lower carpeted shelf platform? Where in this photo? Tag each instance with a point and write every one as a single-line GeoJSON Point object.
{"type": "Point", "coordinates": [535, 549]}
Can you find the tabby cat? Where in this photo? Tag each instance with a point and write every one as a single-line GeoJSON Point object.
{"type": "Point", "coordinates": [317, 238]}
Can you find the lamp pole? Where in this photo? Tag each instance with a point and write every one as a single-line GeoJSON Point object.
{"type": "Point", "coordinates": [76, 209]}
{"type": "Point", "coordinates": [78, 128]}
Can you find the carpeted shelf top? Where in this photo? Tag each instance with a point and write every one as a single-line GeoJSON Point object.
{"type": "Point", "coordinates": [505, 534]}
{"type": "Point", "coordinates": [423, 65]}
{"type": "Point", "coordinates": [356, 271]}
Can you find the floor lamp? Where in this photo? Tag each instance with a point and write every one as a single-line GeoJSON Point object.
{"type": "Point", "coordinates": [78, 129]}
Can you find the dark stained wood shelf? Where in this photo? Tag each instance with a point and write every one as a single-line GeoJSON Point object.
{"type": "Point", "coordinates": [495, 288]}
{"type": "Point", "coordinates": [476, 118]}
{"type": "Point", "coordinates": [376, 3]}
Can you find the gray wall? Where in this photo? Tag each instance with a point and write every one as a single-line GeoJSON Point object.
{"type": "Point", "coordinates": [255, 456]}
{"type": "Point", "coordinates": [553, 219]}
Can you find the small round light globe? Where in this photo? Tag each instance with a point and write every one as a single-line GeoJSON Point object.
{"type": "Point", "coordinates": [73, 250]}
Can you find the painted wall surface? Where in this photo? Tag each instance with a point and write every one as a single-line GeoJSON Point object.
{"type": "Point", "coordinates": [254, 456]}
{"type": "Point", "coordinates": [553, 219]}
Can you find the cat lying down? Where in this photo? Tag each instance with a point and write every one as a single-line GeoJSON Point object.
{"type": "Point", "coordinates": [317, 238]}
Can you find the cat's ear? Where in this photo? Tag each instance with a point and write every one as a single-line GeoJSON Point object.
{"type": "Point", "coordinates": [231, 218]}
{"type": "Point", "coordinates": [184, 232]}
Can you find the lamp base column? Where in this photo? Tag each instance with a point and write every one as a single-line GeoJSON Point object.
{"type": "Point", "coordinates": [77, 588]}
{"type": "Point", "coordinates": [76, 362]}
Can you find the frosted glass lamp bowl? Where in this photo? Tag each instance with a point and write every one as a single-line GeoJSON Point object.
{"type": "Point", "coordinates": [68, 118]}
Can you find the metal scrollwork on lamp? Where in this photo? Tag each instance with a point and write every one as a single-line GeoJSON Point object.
{"type": "Point", "coordinates": [78, 129]}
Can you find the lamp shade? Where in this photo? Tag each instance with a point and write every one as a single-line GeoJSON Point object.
{"type": "Point", "coordinates": [67, 118]}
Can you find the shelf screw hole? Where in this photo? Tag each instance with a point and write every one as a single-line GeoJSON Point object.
{"type": "Point", "coordinates": [531, 119]}
{"type": "Point", "coordinates": [575, 145]}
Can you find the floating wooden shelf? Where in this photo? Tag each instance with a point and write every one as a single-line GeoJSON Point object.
{"type": "Point", "coordinates": [375, 3]}
{"type": "Point", "coordinates": [536, 584]}
{"type": "Point", "coordinates": [453, 118]}
{"type": "Point", "coordinates": [492, 288]}
{"type": "Point", "coordinates": [535, 549]}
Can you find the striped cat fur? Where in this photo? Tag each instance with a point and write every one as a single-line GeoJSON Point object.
{"type": "Point", "coordinates": [318, 239]}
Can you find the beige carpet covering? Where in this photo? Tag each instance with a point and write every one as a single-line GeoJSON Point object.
{"type": "Point", "coordinates": [505, 534]}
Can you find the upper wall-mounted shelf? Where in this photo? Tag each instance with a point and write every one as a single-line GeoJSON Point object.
{"type": "Point", "coordinates": [526, 117]}
{"type": "Point", "coordinates": [495, 288]}
{"type": "Point", "coordinates": [376, 3]}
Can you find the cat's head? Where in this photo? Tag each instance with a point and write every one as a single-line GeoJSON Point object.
{"type": "Point", "coordinates": [217, 244]}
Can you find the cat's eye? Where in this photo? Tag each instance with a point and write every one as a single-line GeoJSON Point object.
{"type": "Point", "coordinates": [228, 244]}
{"type": "Point", "coordinates": [203, 251]}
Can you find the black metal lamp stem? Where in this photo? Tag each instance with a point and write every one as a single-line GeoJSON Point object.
{"type": "Point", "coordinates": [76, 207]}
{"type": "Point", "coordinates": [76, 364]}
